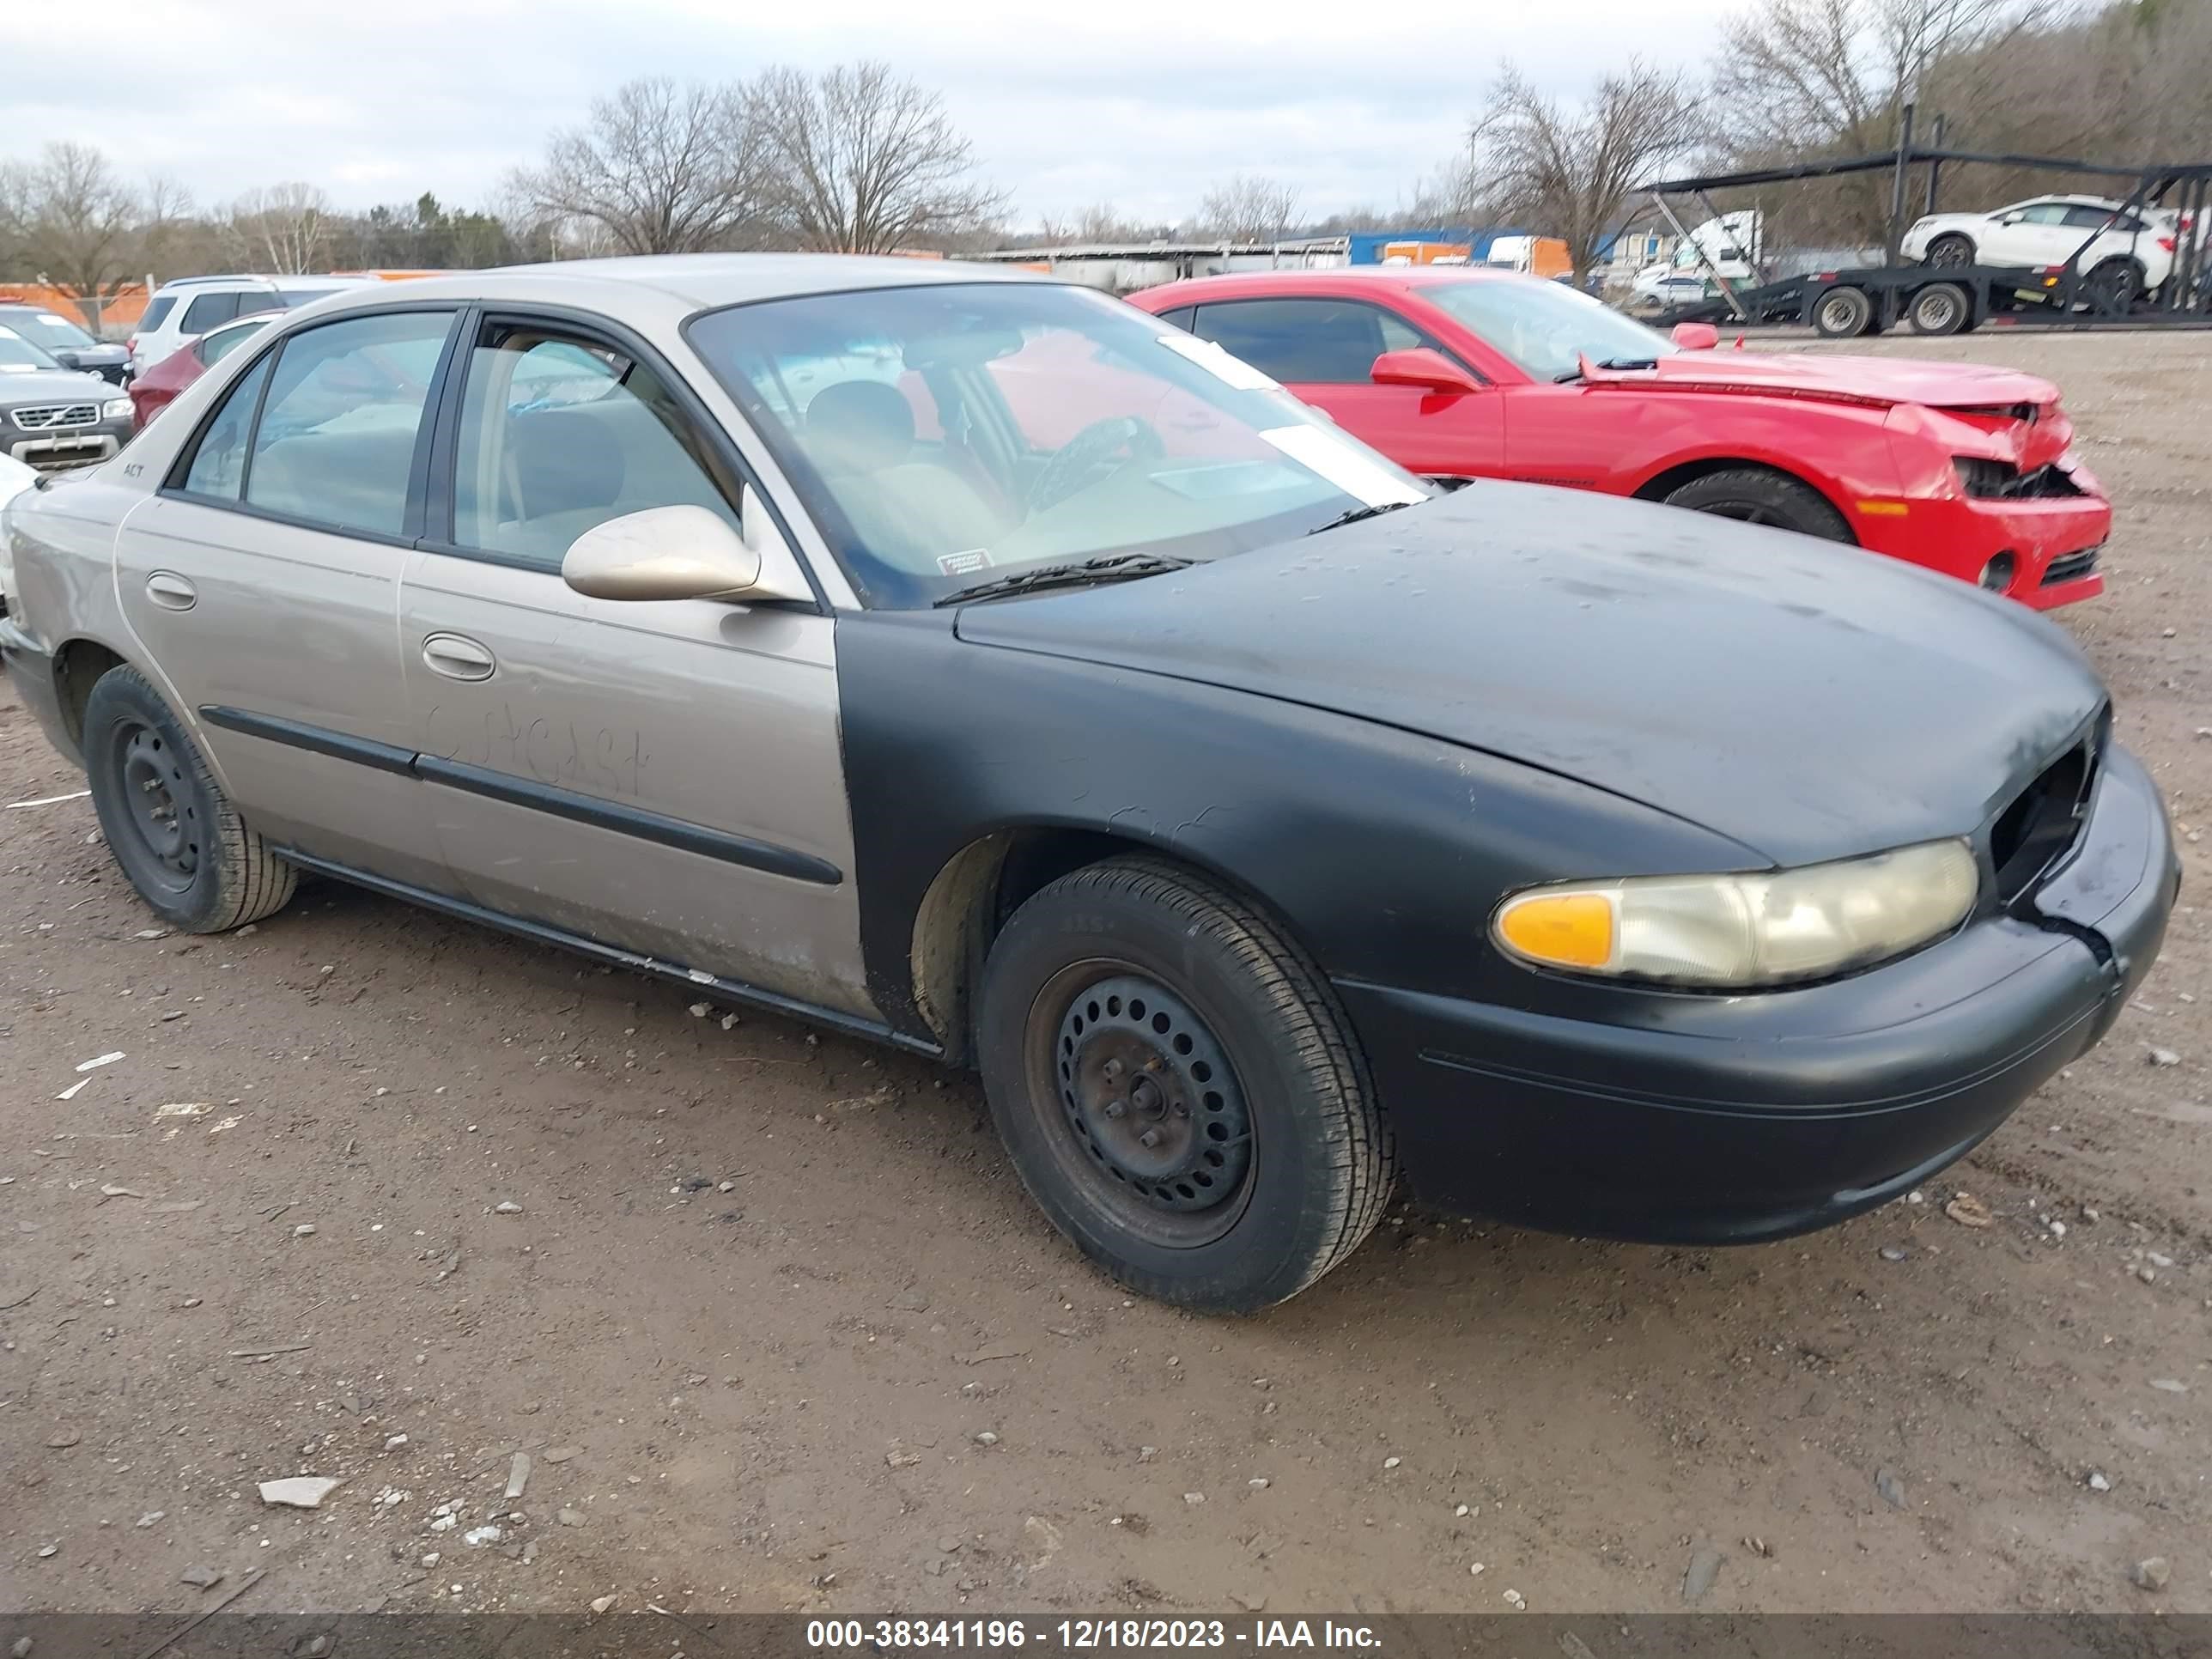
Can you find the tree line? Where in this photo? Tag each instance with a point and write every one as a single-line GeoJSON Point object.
{"type": "Point", "coordinates": [2125, 82]}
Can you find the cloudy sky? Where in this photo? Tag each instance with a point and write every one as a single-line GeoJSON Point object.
{"type": "Point", "coordinates": [1068, 101]}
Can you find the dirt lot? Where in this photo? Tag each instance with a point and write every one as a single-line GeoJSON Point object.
{"type": "Point", "coordinates": [778, 1330]}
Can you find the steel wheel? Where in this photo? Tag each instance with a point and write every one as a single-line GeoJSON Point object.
{"type": "Point", "coordinates": [1153, 1117]}
{"type": "Point", "coordinates": [158, 801]}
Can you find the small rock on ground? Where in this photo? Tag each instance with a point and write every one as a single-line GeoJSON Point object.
{"type": "Point", "coordinates": [2151, 1573]}
{"type": "Point", "coordinates": [1698, 1578]}
{"type": "Point", "coordinates": [201, 1577]}
{"type": "Point", "coordinates": [1891, 1489]}
{"type": "Point", "coordinates": [570, 1517]}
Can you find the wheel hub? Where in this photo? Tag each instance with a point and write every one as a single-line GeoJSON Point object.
{"type": "Point", "coordinates": [154, 793]}
{"type": "Point", "coordinates": [1151, 1096]}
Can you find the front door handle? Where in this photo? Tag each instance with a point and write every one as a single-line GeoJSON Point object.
{"type": "Point", "coordinates": [170, 592]}
{"type": "Point", "coordinates": [458, 658]}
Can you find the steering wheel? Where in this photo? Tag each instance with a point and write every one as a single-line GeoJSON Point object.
{"type": "Point", "coordinates": [1098, 447]}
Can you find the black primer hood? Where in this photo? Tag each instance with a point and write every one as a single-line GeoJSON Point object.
{"type": "Point", "coordinates": [1809, 700]}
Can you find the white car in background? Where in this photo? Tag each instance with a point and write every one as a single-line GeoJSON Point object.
{"type": "Point", "coordinates": [183, 310]}
{"type": "Point", "coordinates": [2134, 256]}
{"type": "Point", "coordinates": [15, 479]}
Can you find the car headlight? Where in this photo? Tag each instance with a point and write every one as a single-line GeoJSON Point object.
{"type": "Point", "coordinates": [115, 409]}
{"type": "Point", "coordinates": [1743, 931]}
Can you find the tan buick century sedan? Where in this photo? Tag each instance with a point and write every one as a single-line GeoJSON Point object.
{"type": "Point", "coordinates": [973, 663]}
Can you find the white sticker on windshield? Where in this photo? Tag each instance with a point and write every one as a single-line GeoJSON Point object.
{"type": "Point", "coordinates": [49, 316]}
{"type": "Point", "coordinates": [1344, 464]}
{"type": "Point", "coordinates": [963, 563]}
{"type": "Point", "coordinates": [1230, 371]}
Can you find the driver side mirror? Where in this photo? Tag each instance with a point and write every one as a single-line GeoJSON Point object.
{"type": "Point", "coordinates": [684, 553]}
{"type": "Point", "coordinates": [1695, 336]}
{"type": "Point", "coordinates": [1424, 367]}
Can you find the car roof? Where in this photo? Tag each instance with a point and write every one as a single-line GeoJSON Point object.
{"type": "Point", "coordinates": [665, 281]}
{"type": "Point", "coordinates": [1385, 276]}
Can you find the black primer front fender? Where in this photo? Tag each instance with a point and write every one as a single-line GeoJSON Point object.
{"type": "Point", "coordinates": [1383, 852]}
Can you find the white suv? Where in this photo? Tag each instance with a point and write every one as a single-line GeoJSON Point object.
{"type": "Point", "coordinates": [183, 310]}
{"type": "Point", "coordinates": [2137, 253]}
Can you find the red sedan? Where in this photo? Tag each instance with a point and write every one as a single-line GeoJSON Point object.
{"type": "Point", "coordinates": [1457, 374]}
{"type": "Point", "coordinates": [154, 390]}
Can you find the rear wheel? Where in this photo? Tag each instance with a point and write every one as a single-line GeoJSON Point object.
{"type": "Point", "coordinates": [1940, 308]}
{"type": "Point", "coordinates": [1755, 495]}
{"type": "Point", "coordinates": [1952, 248]}
{"type": "Point", "coordinates": [166, 819]}
{"type": "Point", "coordinates": [1842, 313]}
{"type": "Point", "coordinates": [1177, 1088]}
{"type": "Point", "coordinates": [2115, 286]}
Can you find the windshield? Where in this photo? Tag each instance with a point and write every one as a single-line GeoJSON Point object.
{"type": "Point", "coordinates": [19, 354]}
{"type": "Point", "coordinates": [944, 435]}
{"type": "Point", "coordinates": [1546, 328]}
{"type": "Point", "coordinates": [50, 331]}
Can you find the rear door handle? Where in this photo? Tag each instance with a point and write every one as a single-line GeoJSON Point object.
{"type": "Point", "coordinates": [170, 592]}
{"type": "Point", "coordinates": [458, 658]}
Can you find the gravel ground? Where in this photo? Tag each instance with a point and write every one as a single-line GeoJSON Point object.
{"type": "Point", "coordinates": [776, 1329]}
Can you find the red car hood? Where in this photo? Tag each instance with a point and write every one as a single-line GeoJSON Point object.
{"type": "Point", "coordinates": [1857, 380]}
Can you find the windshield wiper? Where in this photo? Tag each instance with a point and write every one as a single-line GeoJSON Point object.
{"type": "Point", "coordinates": [1110, 567]}
{"type": "Point", "coordinates": [1354, 515]}
{"type": "Point", "coordinates": [1575, 374]}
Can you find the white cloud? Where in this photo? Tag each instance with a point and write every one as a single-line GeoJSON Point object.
{"type": "Point", "coordinates": [1068, 102]}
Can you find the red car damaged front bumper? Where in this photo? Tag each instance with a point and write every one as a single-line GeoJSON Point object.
{"type": "Point", "coordinates": [2000, 502]}
{"type": "Point", "coordinates": [2053, 544]}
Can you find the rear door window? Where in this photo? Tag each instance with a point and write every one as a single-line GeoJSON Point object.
{"type": "Point", "coordinates": [335, 441]}
{"type": "Point", "coordinates": [157, 310]}
{"type": "Point", "coordinates": [207, 311]}
{"type": "Point", "coordinates": [218, 462]}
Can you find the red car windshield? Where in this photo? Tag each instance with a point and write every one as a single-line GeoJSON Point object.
{"type": "Point", "coordinates": [1546, 328]}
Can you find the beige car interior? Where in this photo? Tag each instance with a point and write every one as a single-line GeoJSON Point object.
{"type": "Point", "coordinates": [529, 477]}
{"type": "Point", "coordinates": [907, 507]}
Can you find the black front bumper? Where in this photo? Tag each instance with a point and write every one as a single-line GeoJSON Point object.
{"type": "Point", "coordinates": [1728, 1120]}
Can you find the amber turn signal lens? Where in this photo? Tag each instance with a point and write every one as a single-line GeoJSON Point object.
{"type": "Point", "coordinates": [1568, 930]}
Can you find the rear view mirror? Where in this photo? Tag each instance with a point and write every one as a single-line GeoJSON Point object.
{"type": "Point", "coordinates": [1420, 366]}
{"type": "Point", "coordinates": [1696, 336]}
{"type": "Point", "coordinates": [662, 553]}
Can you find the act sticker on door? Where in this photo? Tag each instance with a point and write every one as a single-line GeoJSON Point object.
{"type": "Point", "coordinates": [1344, 464]}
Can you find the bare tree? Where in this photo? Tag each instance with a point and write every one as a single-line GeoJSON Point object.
{"type": "Point", "coordinates": [286, 229]}
{"type": "Point", "coordinates": [1809, 77]}
{"type": "Point", "coordinates": [1246, 207]}
{"type": "Point", "coordinates": [73, 223]}
{"type": "Point", "coordinates": [864, 160]}
{"type": "Point", "coordinates": [1568, 170]}
{"type": "Point", "coordinates": [660, 168]}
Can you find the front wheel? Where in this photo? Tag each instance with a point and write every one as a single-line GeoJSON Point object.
{"type": "Point", "coordinates": [1952, 250]}
{"type": "Point", "coordinates": [166, 820]}
{"type": "Point", "coordinates": [1177, 1088]}
{"type": "Point", "coordinates": [1756, 495]}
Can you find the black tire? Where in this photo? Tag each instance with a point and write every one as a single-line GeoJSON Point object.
{"type": "Point", "coordinates": [165, 818]}
{"type": "Point", "coordinates": [1759, 494]}
{"type": "Point", "coordinates": [2114, 287]}
{"type": "Point", "coordinates": [1951, 248]}
{"type": "Point", "coordinates": [1842, 313]}
{"type": "Point", "coordinates": [1256, 1088]}
{"type": "Point", "coordinates": [1941, 308]}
